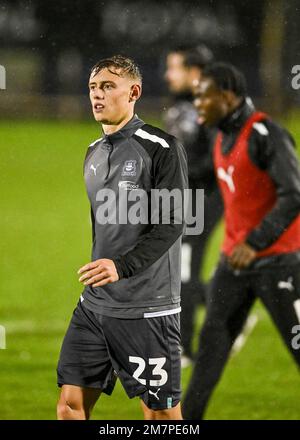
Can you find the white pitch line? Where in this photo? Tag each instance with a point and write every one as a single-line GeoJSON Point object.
{"type": "Point", "coordinates": [243, 336]}
{"type": "Point", "coordinates": [28, 326]}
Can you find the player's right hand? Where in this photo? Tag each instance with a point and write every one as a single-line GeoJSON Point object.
{"type": "Point", "coordinates": [98, 273]}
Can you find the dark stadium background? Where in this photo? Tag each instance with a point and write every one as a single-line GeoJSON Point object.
{"type": "Point", "coordinates": [50, 46]}
{"type": "Point", "coordinates": [47, 49]}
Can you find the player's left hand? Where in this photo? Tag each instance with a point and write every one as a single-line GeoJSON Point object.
{"type": "Point", "coordinates": [242, 256]}
{"type": "Point", "coordinates": [98, 273]}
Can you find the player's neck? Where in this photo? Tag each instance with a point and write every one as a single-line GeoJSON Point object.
{"type": "Point", "coordinates": [110, 129]}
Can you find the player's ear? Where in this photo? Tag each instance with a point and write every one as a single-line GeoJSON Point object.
{"type": "Point", "coordinates": [135, 92]}
{"type": "Point", "coordinates": [195, 74]}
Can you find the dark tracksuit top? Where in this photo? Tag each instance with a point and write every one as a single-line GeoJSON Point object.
{"type": "Point", "coordinates": [147, 256]}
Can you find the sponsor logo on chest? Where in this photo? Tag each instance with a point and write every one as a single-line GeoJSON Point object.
{"type": "Point", "coordinates": [127, 185]}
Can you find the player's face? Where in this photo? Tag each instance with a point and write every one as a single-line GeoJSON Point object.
{"type": "Point", "coordinates": [210, 102]}
{"type": "Point", "coordinates": [111, 96]}
{"type": "Point", "coordinates": [176, 73]}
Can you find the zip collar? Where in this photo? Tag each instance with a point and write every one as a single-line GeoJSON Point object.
{"type": "Point", "coordinates": [235, 120]}
{"type": "Point", "coordinates": [125, 132]}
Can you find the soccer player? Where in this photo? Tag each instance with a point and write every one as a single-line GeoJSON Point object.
{"type": "Point", "coordinates": [126, 323]}
{"type": "Point", "coordinates": [259, 177]}
{"type": "Point", "coordinates": [184, 66]}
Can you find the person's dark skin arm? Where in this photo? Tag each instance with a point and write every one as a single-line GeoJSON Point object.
{"type": "Point", "coordinates": [276, 154]}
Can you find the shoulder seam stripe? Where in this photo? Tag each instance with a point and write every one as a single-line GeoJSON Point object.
{"type": "Point", "coordinates": [93, 143]}
{"type": "Point", "coordinates": [152, 137]}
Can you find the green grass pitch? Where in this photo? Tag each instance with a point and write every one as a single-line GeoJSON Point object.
{"type": "Point", "coordinates": [45, 238]}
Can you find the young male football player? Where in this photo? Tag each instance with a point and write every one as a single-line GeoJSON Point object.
{"type": "Point", "coordinates": [259, 177]}
{"type": "Point", "coordinates": [126, 324]}
{"type": "Point", "coordinates": [184, 66]}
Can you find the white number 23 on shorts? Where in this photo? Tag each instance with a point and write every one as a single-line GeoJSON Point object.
{"type": "Point", "coordinates": [157, 370]}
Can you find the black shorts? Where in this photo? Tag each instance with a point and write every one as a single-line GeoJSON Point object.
{"type": "Point", "coordinates": [143, 353]}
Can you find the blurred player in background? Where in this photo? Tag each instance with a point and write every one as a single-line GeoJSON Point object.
{"type": "Point", "coordinates": [259, 177]}
{"type": "Point", "coordinates": [126, 323]}
{"type": "Point", "coordinates": [183, 67]}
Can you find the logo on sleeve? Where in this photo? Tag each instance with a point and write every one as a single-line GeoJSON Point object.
{"type": "Point", "coordinates": [94, 168]}
{"type": "Point", "coordinates": [129, 168]}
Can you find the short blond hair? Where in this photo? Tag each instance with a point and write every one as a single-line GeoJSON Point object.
{"type": "Point", "coordinates": [118, 65]}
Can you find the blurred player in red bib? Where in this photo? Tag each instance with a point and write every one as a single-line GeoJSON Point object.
{"type": "Point", "coordinates": [259, 178]}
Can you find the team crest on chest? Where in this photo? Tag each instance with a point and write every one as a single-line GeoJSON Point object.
{"type": "Point", "coordinates": [129, 168]}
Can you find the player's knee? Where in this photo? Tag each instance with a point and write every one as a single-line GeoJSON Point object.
{"type": "Point", "coordinates": [149, 414]}
{"type": "Point", "coordinates": [162, 414]}
{"type": "Point", "coordinates": [166, 414]}
{"type": "Point", "coordinates": [157, 414]}
{"type": "Point", "coordinates": [70, 409]}
{"type": "Point", "coordinates": [61, 410]}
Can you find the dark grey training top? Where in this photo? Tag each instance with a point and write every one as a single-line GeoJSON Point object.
{"type": "Point", "coordinates": [147, 256]}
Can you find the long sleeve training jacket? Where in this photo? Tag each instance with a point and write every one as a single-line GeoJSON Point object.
{"type": "Point", "coordinates": [121, 170]}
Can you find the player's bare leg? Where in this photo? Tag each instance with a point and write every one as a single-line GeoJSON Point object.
{"type": "Point", "coordinates": [148, 413]}
{"type": "Point", "coordinates": [76, 403]}
{"type": "Point", "coordinates": [162, 414]}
